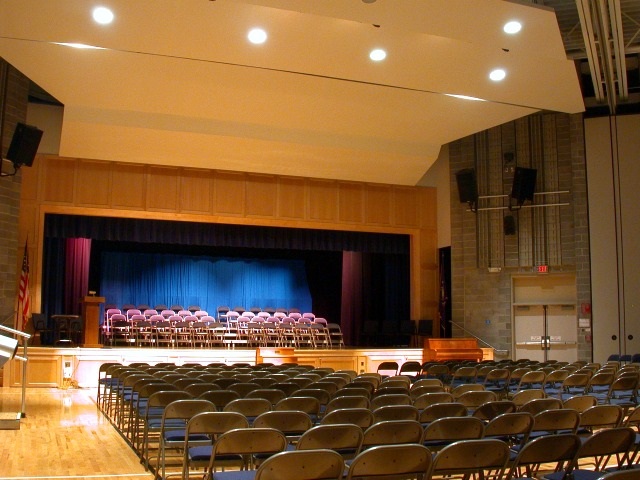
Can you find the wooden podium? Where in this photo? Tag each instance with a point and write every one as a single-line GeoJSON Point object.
{"type": "Point", "coordinates": [91, 316]}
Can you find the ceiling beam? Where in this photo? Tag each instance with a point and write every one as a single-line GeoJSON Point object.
{"type": "Point", "coordinates": [591, 47]}
{"type": "Point", "coordinates": [601, 22]}
{"type": "Point", "coordinates": [617, 40]}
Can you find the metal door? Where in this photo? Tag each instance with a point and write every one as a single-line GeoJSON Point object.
{"type": "Point", "coordinates": [546, 332]}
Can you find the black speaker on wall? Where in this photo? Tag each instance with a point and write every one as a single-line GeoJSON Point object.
{"type": "Point", "coordinates": [24, 145]}
{"type": "Point", "coordinates": [467, 187]}
{"type": "Point", "coordinates": [524, 184]}
{"type": "Point", "coordinates": [509, 225]}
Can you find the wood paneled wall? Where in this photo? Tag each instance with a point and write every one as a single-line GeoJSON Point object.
{"type": "Point", "coordinates": [103, 188]}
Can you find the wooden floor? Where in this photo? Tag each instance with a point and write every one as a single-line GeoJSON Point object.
{"type": "Point", "coordinates": [63, 435]}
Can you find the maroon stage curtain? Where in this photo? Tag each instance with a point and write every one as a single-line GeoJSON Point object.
{"type": "Point", "coordinates": [351, 308]}
{"type": "Point", "coordinates": [76, 279]}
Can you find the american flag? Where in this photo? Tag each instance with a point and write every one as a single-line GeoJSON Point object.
{"type": "Point", "coordinates": [24, 302]}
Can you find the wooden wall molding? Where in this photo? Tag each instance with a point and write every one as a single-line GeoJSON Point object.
{"type": "Point", "coordinates": [102, 188]}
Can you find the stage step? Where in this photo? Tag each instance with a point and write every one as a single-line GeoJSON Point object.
{"type": "Point", "coordinates": [9, 421]}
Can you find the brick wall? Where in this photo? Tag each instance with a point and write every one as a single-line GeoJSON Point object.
{"type": "Point", "coordinates": [13, 103]}
{"type": "Point", "coordinates": [557, 236]}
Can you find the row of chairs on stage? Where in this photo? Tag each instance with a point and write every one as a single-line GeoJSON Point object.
{"type": "Point", "coordinates": [161, 309]}
{"type": "Point", "coordinates": [187, 420]}
{"type": "Point", "coordinates": [154, 315]}
{"type": "Point", "coordinates": [207, 332]}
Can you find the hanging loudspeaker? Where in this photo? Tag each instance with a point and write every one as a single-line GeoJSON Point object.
{"type": "Point", "coordinates": [467, 188]}
{"type": "Point", "coordinates": [524, 184]}
{"type": "Point", "coordinates": [24, 145]}
{"type": "Point", "coordinates": [509, 224]}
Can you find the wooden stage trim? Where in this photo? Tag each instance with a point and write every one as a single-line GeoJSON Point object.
{"type": "Point", "coordinates": [46, 364]}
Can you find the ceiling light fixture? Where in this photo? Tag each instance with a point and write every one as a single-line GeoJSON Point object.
{"type": "Point", "coordinates": [103, 15]}
{"type": "Point", "coordinates": [82, 46]}
{"type": "Point", "coordinates": [497, 75]}
{"type": "Point", "coordinates": [377, 55]}
{"type": "Point", "coordinates": [465, 97]}
{"type": "Point", "coordinates": [257, 36]}
{"type": "Point", "coordinates": [512, 27]}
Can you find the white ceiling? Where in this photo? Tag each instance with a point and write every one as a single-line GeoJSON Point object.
{"type": "Point", "coordinates": [178, 84]}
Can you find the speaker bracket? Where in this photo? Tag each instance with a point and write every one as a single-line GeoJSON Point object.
{"type": "Point", "coordinates": [512, 207]}
{"type": "Point", "coordinates": [8, 174]}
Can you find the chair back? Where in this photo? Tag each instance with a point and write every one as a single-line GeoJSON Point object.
{"type": "Point", "coordinates": [538, 405]}
{"type": "Point", "coordinates": [473, 400]}
{"type": "Point", "coordinates": [391, 432]}
{"type": "Point", "coordinates": [292, 423]}
{"type": "Point", "coordinates": [451, 429]}
{"type": "Point", "coordinates": [492, 409]}
{"type": "Point", "coordinates": [395, 412]}
{"type": "Point", "coordinates": [347, 402]}
{"type": "Point", "coordinates": [601, 416]}
{"type": "Point", "coordinates": [362, 417]}
{"type": "Point", "coordinates": [246, 442]}
{"type": "Point", "coordinates": [309, 405]}
{"type": "Point", "coordinates": [405, 460]}
{"type": "Point", "coordinates": [345, 438]}
{"type": "Point", "coordinates": [426, 399]}
{"type": "Point", "coordinates": [388, 368]}
{"type": "Point", "coordinates": [249, 407]}
{"type": "Point", "coordinates": [272, 394]}
{"type": "Point", "coordinates": [419, 390]}
{"type": "Point", "coordinates": [562, 420]}
{"type": "Point", "coordinates": [559, 450]}
{"type": "Point", "coordinates": [390, 399]}
{"type": "Point", "coordinates": [322, 464]}
{"type": "Point", "coordinates": [220, 397]}
{"type": "Point", "coordinates": [606, 443]}
{"type": "Point", "coordinates": [514, 427]}
{"type": "Point", "coordinates": [524, 396]}
{"type": "Point", "coordinates": [441, 410]}
{"type": "Point", "coordinates": [472, 457]}
{"type": "Point", "coordinates": [243, 388]}
{"type": "Point", "coordinates": [580, 402]}
{"type": "Point", "coordinates": [185, 409]}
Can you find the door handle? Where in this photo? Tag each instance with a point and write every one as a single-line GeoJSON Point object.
{"type": "Point", "coordinates": [544, 343]}
{"type": "Point", "coordinates": [614, 337]}
{"type": "Point", "coordinates": [630, 337]}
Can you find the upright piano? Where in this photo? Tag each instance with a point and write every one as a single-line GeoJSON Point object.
{"type": "Point", "coordinates": [439, 349]}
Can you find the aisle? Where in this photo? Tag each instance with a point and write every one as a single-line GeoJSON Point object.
{"type": "Point", "coordinates": [63, 436]}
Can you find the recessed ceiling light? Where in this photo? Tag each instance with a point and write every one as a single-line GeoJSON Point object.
{"type": "Point", "coordinates": [512, 27]}
{"type": "Point", "coordinates": [377, 55]}
{"type": "Point", "coordinates": [81, 46]}
{"type": "Point", "coordinates": [497, 75]}
{"type": "Point", "coordinates": [257, 36]}
{"type": "Point", "coordinates": [103, 15]}
{"type": "Point", "coordinates": [465, 97]}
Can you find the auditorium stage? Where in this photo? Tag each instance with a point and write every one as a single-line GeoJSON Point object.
{"type": "Point", "coordinates": [48, 366]}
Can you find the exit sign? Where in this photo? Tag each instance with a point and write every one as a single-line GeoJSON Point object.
{"type": "Point", "coordinates": [542, 268]}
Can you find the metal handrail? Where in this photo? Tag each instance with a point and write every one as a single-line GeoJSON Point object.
{"type": "Point", "coordinates": [476, 337]}
{"type": "Point", "coordinates": [25, 340]}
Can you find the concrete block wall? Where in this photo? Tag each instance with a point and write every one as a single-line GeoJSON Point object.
{"type": "Point", "coordinates": [14, 94]}
{"type": "Point", "coordinates": [554, 236]}
{"type": "Point", "coordinates": [582, 254]}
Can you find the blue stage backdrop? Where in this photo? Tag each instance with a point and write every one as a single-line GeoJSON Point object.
{"type": "Point", "coordinates": [150, 278]}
